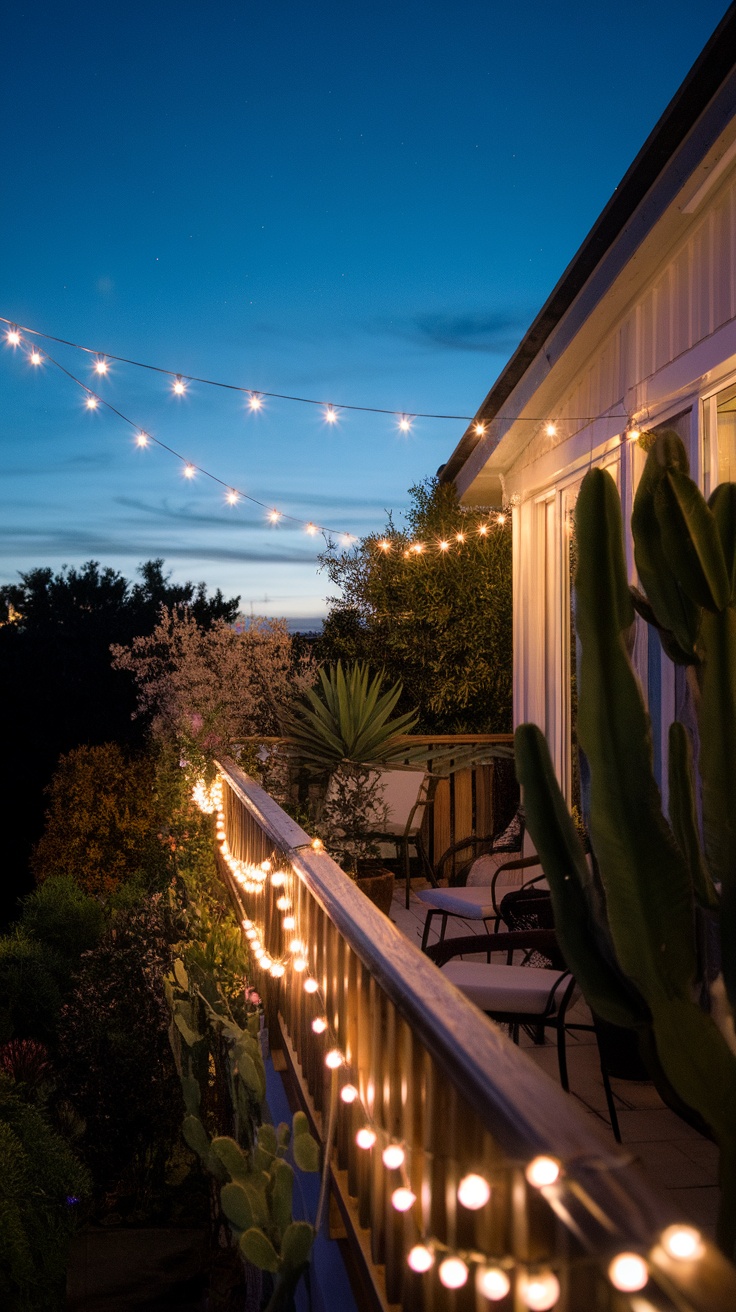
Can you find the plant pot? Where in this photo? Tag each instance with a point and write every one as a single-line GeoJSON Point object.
{"type": "Point", "coordinates": [377, 883]}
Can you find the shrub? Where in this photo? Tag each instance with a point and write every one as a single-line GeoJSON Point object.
{"type": "Point", "coordinates": [62, 916]}
{"type": "Point", "coordinates": [30, 999]}
{"type": "Point", "coordinates": [41, 1186]}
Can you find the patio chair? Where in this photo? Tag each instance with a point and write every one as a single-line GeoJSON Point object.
{"type": "Point", "coordinates": [406, 794]}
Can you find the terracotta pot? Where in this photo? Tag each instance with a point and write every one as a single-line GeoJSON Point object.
{"type": "Point", "coordinates": [377, 883]}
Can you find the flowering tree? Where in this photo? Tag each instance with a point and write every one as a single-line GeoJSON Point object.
{"type": "Point", "coordinates": [203, 688]}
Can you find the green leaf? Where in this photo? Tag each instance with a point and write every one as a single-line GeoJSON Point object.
{"type": "Point", "coordinates": [232, 1157]}
{"type": "Point", "coordinates": [299, 1124]}
{"type": "Point", "coordinates": [182, 978]}
{"type": "Point", "coordinates": [189, 1035]}
{"type": "Point", "coordinates": [675, 612]}
{"type": "Point", "coordinates": [296, 1245]}
{"type": "Point", "coordinates": [258, 1249]}
{"type": "Point", "coordinates": [282, 1177]}
{"type": "Point", "coordinates": [192, 1094]}
{"type": "Point", "coordinates": [683, 814]}
{"type": "Point", "coordinates": [722, 503]}
{"type": "Point", "coordinates": [249, 1074]}
{"type": "Point", "coordinates": [236, 1205]}
{"type": "Point", "coordinates": [306, 1152]}
{"type": "Point", "coordinates": [255, 1187]}
{"type": "Point", "coordinates": [690, 540]}
{"type": "Point", "coordinates": [717, 761]}
{"type": "Point", "coordinates": [196, 1136]}
{"type": "Point", "coordinates": [283, 1135]}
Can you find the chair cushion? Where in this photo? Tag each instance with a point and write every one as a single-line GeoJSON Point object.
{"type": "Point", "coordinates": [484, 868]}
{"type": "Point", "coordinates": [472, 903]}
{"type": "Point", "coordinates": [522, 990]}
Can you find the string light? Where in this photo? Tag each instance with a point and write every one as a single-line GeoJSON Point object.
{"type": "Point", "coordinates": [539, 1292]}
{"type": "Point", "coordinates": [365, 1138]}
{"type": "Point", "coordinates": [479, 429]}
{"type": "Point", "coordinates": [473, 1192]}
{"type": "Point", "coordinates": [179, 386]}
{"type": "Point", "coordinates": [542, 1171]}
{"type": "Point", "coordinates": [232, 497]}
{"type": "Point", "coordinates": [12, 337]}
{"type": "Point", "coordinates": [403, 1199]}
{"type": "Point", "coordinates": [289, 922]}
{"type": "Point", "coordinates": [444, 545]}
{"type": "Point", "coordinates": [319, 1025]}
{"type": "Point", "coordinates": [330, 415]}
{"type": "Point", "coordinates": [628, 1272]}
{"type": "Point", "coordinates": [283, 903]}
{"type": "Point", "coordinates": [420, 1258]}
{"type": "Point", "coordinates": [683, 1242]}
{"type": "Point", "coordinates": [404, 424]}
{"type": "Point", "coordinates": [311, 986]}
{"type": "Point", "coordinates": [453, 1273]}
{"type": "Point", "coordinates": [255, 401]}
{"type": "Point", "coordinates": [274, 516]}
{"type": "Point", "coordinates": [311, 528]}
{"type": "Point", "coordinates": [492, 1282]}
{"type": "Point", "coordinates": [189, 471]}
{"type": "Point", "coordinates": [101, 366]}
{"type": "Point", "coordinates": [384, 545]}
{"type": "Point", "coordinates": [141, 439]}
{"type": "Point", "coordinates": [334, 1059]}
{"type": "Point", "coordinates": [393, 1157]}
{"type": "Point", "coordinates": [91, 403]}
{"type": "Point", "coordinates": [550, 430]}
{"type": "Point", "coordinates": [35, 357]}
{"type": "Point", "coordinates": [348, 1093]}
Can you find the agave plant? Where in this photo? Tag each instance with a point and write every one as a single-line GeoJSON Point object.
{"type": "Point", "coordinates": [347, 721]}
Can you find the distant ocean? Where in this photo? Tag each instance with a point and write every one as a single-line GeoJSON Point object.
{"type": "Point", "coordinates": [305, 624]}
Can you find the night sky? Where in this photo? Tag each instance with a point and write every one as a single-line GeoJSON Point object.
{"type": "Point", "coordinates": [358, 203]}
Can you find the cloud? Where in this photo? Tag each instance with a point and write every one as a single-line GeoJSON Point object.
{"type": "Point", "coordinates": [491, 333]}
{"type": "Point", "coordinates": [98, 460]}
{"type": "Point", "coordinates": [370, 507]}
{"type": "Point", "coordinates": [60, 542]}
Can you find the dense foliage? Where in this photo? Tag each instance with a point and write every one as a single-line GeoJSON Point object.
{"type": "Point", "coordinates": [60, 688]}
{"type": "Point", "coordinates": [439, 621]}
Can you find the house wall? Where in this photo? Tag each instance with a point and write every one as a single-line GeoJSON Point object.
{"type": "Point", "coordinates": [673, 347]}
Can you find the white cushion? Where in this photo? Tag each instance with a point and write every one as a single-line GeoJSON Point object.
{"type": "Point", "coordinates": [484, 868]}
{"type": "Point", "coordinates": [523, 990]}
{"type": "Point", "coordinates": [472, 903]}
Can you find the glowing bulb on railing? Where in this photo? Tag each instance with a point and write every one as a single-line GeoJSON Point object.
{"type": "Point", "coordinates": [265, 866]}
{"type": "Point", "coordinates": [283, 903]}
{"type": "Point", "coordinates": [393, 1157]}
{"type": "Point", "coordinates": [319, 1025]}
{"type": "Point", "coordinates": [500, 519]}
{"type": "Point", "coordinates": [317, 844]}
{"type": "Point", "coordinates": [366, 1137]}
{"type": "Point", "coordinates": [628, 1272]}
{"type": "Point", "coordinates": [277, 970]}
{"type": "Point", "coordinates": [542, 1171]}
{"type": "Point", "coordinates": [289, 922]}
{"type": "Point", "coordinates": [300, 964]}
{"type": "Point", "coordinates": [251, 934]}
{"type": "Point", "coordinates": [483, 530]}
{"type": "Point", "coordinates": [420, 1258]}
{"type": "Point", "coordinates": [296, 946]}
{"type": "Point", "coordinates": [459, 537]}
{"type": "Point", "coordinates": [453, 1273]}
{"type": "Point", "coordinates": [310, 985]}
{"type": "Point", "coordinates": [492, 1282]}
{"type": "Point", "coordinates": [682, 1242]}
{"type": "Point", "coordinates": [403, 1199]}
{"type": "Point", "coordinates": [247, 924]}
{"type": "Point", "coordinates": [444, 546]}
{"type": "Point", "coordinates": [348, 1093]}
{"type": "Point", "coordinates": [333, 1059]}
{"type": "Point", "coordinates": [539, 1292]}
{"type": "Point", "coordinates": [278, 879]}
{"type": "Point", "coordinates": [473, 1192]}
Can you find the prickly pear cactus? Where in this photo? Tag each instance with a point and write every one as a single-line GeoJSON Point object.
{"type": "Point", "coordinates": [633, 926]}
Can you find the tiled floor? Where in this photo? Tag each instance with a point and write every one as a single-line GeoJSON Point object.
{"type": "Point", "coordinates": [674, 1158]}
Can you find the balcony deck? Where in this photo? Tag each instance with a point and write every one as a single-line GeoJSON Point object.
{"type": "Point", "coordinates": [674, 1158]}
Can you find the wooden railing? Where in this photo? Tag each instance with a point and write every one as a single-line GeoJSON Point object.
{"type": "Point", "coordinates": [437, 1077]}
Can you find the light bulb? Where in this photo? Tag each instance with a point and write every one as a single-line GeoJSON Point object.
{"type": "Point", "coordinates": [385, 546]}
{"type": "Point", "coordinates": [317, 845]}
{"type": "Point", "coordinates": [420, 1258]}
{"type": "Point", "coordinates": [310, 985]}
{"type": "Point", "coordinates": [348, 1093]}
{"type": "Point", "coordinates": [483, 530]}
{"type": "Point", "coordinates": [628, 1272]}
{"type": "Point", "coordinates": [404, 424]}
{"type": "Point", "coordinates": [255, 401]}
{"type": "Point", "coordinates": [289, 922]}
{"type": "Point", "coordinates": [265, 866]}
{"type": "Point", "coordinates": [459, 537]}
{"type": "Point", "coordinates": [283, 903]}
{"type": "Point", "coordinates": [542, 1171]}
{"type": "Point", "coordinates": [366, 1137]}
{"type": "Point", "coordinates": [492, 1282]}
{"type": "Point", "coordinates": [480, 429]}
{"type": "Point", "coordinates": [444, 546]}
{"type": "Point", "coordinates": [274, 516]}
{"type": "Point", "coordinates": [251, 933]}
{"type": "Point", "coordinates": [403, 1199]}
{"type": "Point", "coordinates": [539, 1292]}
{"type": "Point", "coordinates": [12, 337]}
{"type": "Point", "coordinates": [330, 415]}
{"type": "Point", "coordinates": [296, 945]}
{"type": "Point", "coordinates": [393, 1157]}
{"type": "Point", "coordinates": [418, 548]}
{"type": "Point", "coordinates": [278, 879]}
{"type": "Point", "coordinates": [100, 366]}
{"type": "Point", "coordinates": [633, 433]}
{"type": "Point", "coordinates": [277, 970]}
{"type": "Point", "coordinates": [473, 1192]}
{"type": "Point", "coordinates": [35, 357]}
{"type": "Point", "coordinates": [683, 1242]}
{"type": "Point", "coordinates": [311, 528]}
{"type": "Point", "coordinates": [189, 471]}
{"type": "Point", "coordinates": [179, 387]}
{"type": "Point", "coordinates": [319, 1025]}
{"type": "Point", "coordinates": [259, 954]}
{"type": "Point", "coordinates": [247, 924]}
{"type": "Point", "coordinates": [300, 964]}
{"type": "Point", "coordinates": [500, 519]}
{"type": "Point", "coordinates": [141, 439]}
{"type": "Point", "coordinates": [333, 1059]}
{"type": "Point", "coordinates": [232, 497]}
{"type": "Point", "coordinates": [550, 429]}
{"type": "Point", "coordinates": [453, 1273]}
{"type": "Point", "coordinates": [91, 403]}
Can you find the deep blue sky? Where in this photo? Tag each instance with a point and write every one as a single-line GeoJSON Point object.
{"type": "Point", "coordinates": [365, 203]}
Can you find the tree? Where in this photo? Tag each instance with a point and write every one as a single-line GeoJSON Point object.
{"type": "Point", "coordinates": [59, 687]}
{"type": "Point", "coordinates": [438, 620]}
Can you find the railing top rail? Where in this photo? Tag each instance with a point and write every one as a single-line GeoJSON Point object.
{"type": "Point", "coordinates": [418, 739]}
{"type": "Point", "coordinates": [525, 1111]}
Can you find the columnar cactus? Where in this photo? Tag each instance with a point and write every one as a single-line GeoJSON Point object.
{"type": "Point", "coordinates": [638, 927]}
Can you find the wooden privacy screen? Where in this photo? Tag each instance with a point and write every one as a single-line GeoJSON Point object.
{"type": "Point", "coordinates": [437, 1077]}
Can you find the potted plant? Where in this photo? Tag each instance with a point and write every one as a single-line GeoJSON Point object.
{"type": "Point", "coordinates": [342, 734]}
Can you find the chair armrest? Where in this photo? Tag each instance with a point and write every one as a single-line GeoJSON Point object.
{"type": "Point", "coordinates": [528, 940]}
